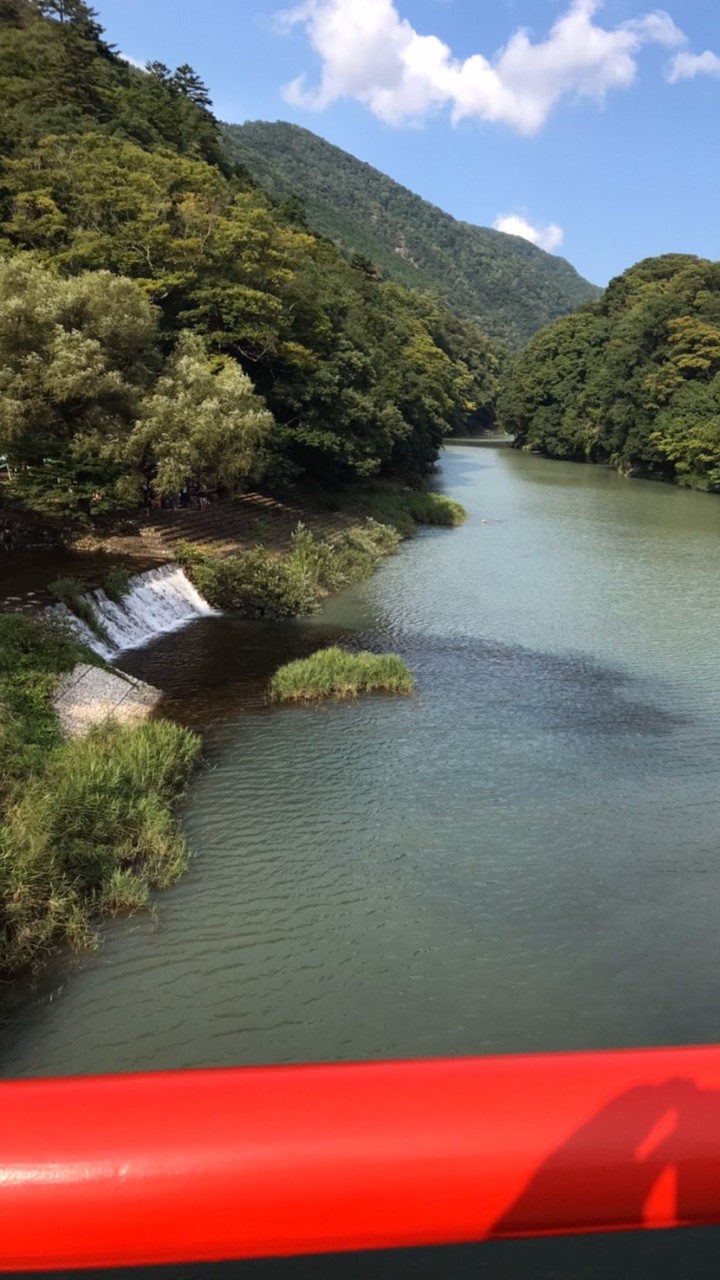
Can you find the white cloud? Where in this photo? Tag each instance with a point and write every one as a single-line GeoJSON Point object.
{"type": "Point", "coordinates": [513, 224]}
{"type": "Point", "coordinates": [134, 62]}
{"type": "Point", "coordinates": [685, 66]}
{"type": "Point", "coordinates": [372, 54]}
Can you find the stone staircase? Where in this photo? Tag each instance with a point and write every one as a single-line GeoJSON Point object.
{"type": "Point", "coordinates": [231, 524]}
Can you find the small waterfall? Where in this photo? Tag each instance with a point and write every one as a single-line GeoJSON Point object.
{"type": "Point", "coordinates": [158, 601]}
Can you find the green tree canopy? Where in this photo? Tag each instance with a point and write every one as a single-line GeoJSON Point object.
{"type": "Point", "coordinates": [76, 358]}
{"type": "Point", "coordinates": [88, 408]}
{"type": "Point", "coordinates": [111, 169]}
{"type": "Point", "coordinates": [203, 422]}
{"type": "Point", "coordinates": [633, 380]}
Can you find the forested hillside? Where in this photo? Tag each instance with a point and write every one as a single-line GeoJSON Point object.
{"type": "Point", "coordinates": [632, 380]}
{"type": "Point", "coordinates": [507, 285]}
{"type": "Point", "coordinates": [163, 320]}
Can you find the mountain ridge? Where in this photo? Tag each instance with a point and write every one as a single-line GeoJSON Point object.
{"type": "Point", "coordinates": [509, 286]}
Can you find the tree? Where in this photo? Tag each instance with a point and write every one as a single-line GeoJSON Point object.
{"type": "Point", "coordinates": [112, 169]}
{"type": "Point", "coordinates": [159, 71]}
{"type": "Point", "coordinates": [76, 358]}
{"type": "Point", "coordinates": [74, 12]}
{"type": "Point", "coordinates": [187, 82]}
{"type": "Point", "coordinates": [202, 423]}
{"type": "Point", "coordinates": [15, 13]}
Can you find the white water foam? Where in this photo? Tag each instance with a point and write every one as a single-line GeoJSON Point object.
{"type": "Point", "coordinates": [157, 602]}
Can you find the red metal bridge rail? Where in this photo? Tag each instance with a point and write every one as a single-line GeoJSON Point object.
{"type": "Point", "coordinates": [212, 1165]}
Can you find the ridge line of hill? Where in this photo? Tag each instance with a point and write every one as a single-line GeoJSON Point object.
{"type": "Point", "coordinates": [508, 286]}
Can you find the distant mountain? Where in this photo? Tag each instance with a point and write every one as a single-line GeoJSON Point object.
{"type": "Point", "coordinates": [509, 286]}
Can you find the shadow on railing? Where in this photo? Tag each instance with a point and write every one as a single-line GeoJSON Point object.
{"type": "Point", "coordinates": [271, 1162]}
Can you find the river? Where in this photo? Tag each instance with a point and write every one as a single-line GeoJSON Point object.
{"type": "Point", "coordinates": [522, 857]}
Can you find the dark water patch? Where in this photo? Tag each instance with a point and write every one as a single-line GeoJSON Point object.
{"type": "Point", "coordinates": [25, 576]}
{"type": "Point", "coordinates": [220, 667]}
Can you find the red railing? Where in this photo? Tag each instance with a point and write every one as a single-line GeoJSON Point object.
{"type": "Point", "coordinates": [211, 1165]}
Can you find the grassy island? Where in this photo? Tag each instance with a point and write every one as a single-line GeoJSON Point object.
{"type": "Point", "coordinates": [86, 826]}
{"type": "Point", "coordinates": [337, 673]}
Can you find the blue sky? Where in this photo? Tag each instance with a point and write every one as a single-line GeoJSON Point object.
{"type": "Point", "coordinates": [592, 126]}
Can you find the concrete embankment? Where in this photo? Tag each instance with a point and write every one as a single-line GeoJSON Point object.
{"type": "Point", "coordinates": [88, 695]}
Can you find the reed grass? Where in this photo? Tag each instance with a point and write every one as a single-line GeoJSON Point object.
{"type": "Point", "coordinates": [336, 673]}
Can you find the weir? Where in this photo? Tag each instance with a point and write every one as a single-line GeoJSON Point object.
{"type": "Point", "coordinates": [158, 601]}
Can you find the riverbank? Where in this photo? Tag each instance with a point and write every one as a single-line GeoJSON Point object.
{"type": "Point", "coordinates": [88, 825]}
{"type": "Point", "coordinates": [267, 582]}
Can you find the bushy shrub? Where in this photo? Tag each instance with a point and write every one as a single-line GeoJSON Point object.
{"type": "Point", "coordinates": [257, 584]}
{"type": "Point", "coordinates": [266, 584]}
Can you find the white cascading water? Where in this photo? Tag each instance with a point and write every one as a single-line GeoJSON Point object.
{"type": "Point", "coordinates": [158, 601]}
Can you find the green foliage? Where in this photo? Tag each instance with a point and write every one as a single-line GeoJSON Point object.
{"type": "Point", "coordinates": [75, 360]}
{"type": "Point", "coordinates": [268, 584]}
{"type": "Point", "coordinates": [257, 584]}
{"type": "Point", "coordinates": [348, 558]}
{"type": "Point", "coordinates": [407, 509]}
{"type": "Point", "coordinates": [337, 673]}
{"type": "Point", "coordinates": [84, 831]}
{"type": "Point", "coordinates": [169, 322]}
{"type": "Point", "coordinates": [86, 825]}
{"type": "Point", "coordinates": [123, 893]}
{"type": "Point", "coordinates": [57, 74]}
{"type": "Point", "coordinates": [201, 422]}
{"type": "Point", "coordinates": [88, 408]}
{"type": "Point", "coordinates": [117, 584]}
{"type": "Point", "coordinates": [69, 591]}
{"type": "Point", "coordinates": [436, 509]}
{"type": "Point", "coordinates": [33, 653]}
{"type": "Point", "coordinates": [31, 645]}
{"type": "Point", "coordinates": [505, 284]}
{"type": "Point", "coordinates": [633, 380]}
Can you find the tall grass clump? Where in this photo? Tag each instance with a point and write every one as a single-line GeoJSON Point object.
{"type": "Point", "coordinates": [117, 584]}
{"type": "Point", "coordinates": [70, 593]}
{"type": "Point", "coordinates": [405, 510]}
{"type": "Point", "coordinates": [92, 831]}
{"type": "Point", "coordinates": [434, 509]}
{"type": "Point", "coordinates": [86, 825]}
{"type": "Point", "coordinates": [337, 673]}
{"type": "Point", "coordinates": [34, 651]}
{"type": "Point", "coordinates": [348, 558]}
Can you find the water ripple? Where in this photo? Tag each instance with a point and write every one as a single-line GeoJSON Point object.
{"type": "Point", "coordinates": [522, 856]}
